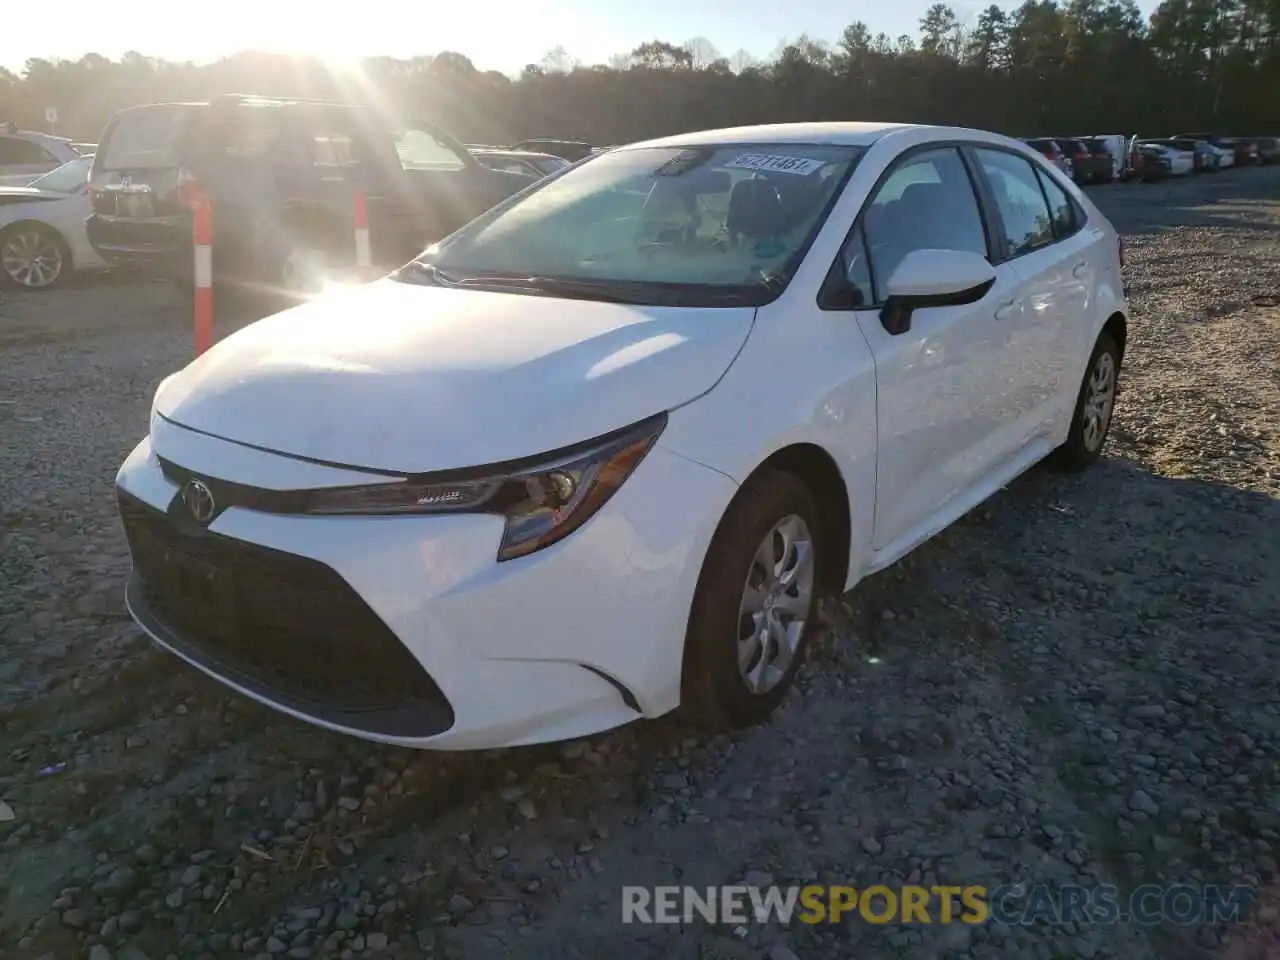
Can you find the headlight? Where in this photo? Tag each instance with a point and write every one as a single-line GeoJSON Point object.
{"type": "Point", "coordinates": [542, 503]}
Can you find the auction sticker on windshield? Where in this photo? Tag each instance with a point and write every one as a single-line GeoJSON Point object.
{"type": "Point", "coordinates": [769, 163]}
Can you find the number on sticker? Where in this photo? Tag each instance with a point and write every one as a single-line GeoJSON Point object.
{"type": "Point", "coordinates": [798, 166]}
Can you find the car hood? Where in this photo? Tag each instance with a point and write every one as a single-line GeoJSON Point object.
{"type": "Point", "coordinates": [412, 379]}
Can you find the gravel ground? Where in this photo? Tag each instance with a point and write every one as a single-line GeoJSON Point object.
{"type": "Point", "coordinates": [1074, 684]}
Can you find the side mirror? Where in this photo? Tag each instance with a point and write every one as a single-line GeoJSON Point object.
{"type": "Point", "coordinates": [934, 278]}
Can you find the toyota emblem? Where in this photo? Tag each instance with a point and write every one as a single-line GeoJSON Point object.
{"type": "Point", "coordinates": [199, 500]}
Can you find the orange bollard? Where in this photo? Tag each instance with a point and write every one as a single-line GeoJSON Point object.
{"type": "Point", "coordinates": [364, 253]}
{"type": "Point", "coordinates": [202, 229]}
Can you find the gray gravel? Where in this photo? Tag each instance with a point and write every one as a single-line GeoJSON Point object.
{"type": "Point", "coordinates": [1074, 684]}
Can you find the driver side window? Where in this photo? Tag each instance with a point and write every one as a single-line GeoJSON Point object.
{"type": "Point", "coordinates": [926, 203]}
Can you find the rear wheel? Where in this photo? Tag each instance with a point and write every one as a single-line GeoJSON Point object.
{"type": "Point", "coordinates": [755, 604]}
{"type": "Point", "coordinates": [1091, 420]}
{"type": "Point", "coordinates": [33, 257]}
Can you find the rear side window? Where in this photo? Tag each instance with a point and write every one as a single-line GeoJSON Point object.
{"type": "Point", "coordinates": [143, 139]}
{"type": "Point", "coordinates": [1067, 217]}
{"type": "Point", "coordinates": [247, 132]}
{"type": "Point", "coordinates": [1024, 213]}
{"type": "Point", "coordinates": [334, 141]}
{"type": "Point", "coordinates": [21, 152]}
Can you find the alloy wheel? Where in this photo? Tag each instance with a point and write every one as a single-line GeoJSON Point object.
{"type": "Point", "coordinates": [776, 601]}
{"type": "Point", "coordinates": [32, 258]}
{"type": "Point", "coordinates": [1099, 400]}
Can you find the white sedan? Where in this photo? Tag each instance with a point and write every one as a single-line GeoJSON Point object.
{"type": "Point", "coordinates": [1181, 162]}
{"type": "Point", "coordinates": [27, 154]}
{"type": "Point", "coordinates": [595, 456]}
{"type": "Point", "coordinates": [42, 232]}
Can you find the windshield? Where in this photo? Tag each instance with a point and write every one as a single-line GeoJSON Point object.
{"type": "Point", "coordinates": [68, 178]}
{"type": "Point", "coordinates": [144, 138]}
{"type": "Point", "coordinates": [688, 226]}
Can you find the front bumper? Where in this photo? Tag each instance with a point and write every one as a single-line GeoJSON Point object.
{"type": "Point", "coordinates": [406, 630]}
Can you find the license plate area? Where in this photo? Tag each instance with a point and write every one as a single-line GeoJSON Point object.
{"type": "Point", "coordinates": [133, 204]}
{"type": "Point", "coordinates": [198, 593]}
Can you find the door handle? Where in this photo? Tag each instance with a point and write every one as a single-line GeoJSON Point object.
{"type": "Point", "coordinates": [1005, 310]}
{"type": "Point", "coordinates": [1080, 270]}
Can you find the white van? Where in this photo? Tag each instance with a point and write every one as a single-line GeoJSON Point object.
{"type": "Point", "coordinates": [1117, 145]}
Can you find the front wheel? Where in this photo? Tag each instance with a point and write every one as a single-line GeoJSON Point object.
{"type": "Point", "coordinates": [1091, 419]}
{"type": "Point", "coordinates": [755, 604]}
{"type": "Point", "coordinates": [33, 257]}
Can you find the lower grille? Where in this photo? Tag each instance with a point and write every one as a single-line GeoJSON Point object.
{"type": "Point", "coordinates": [287, 627]}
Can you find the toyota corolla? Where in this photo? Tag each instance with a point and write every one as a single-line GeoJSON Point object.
{"type": "Point", "coordinates": [594, 456]}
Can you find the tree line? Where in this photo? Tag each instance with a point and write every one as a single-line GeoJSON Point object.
{"type": "Point", "coordinates": [1080, 66]}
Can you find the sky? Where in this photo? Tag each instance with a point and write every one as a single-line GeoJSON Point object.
{"type": "Point", "coordinates": [496, 34]}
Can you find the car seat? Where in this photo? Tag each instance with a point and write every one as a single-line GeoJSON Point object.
{"type": "Point", "coordinates": [755, 211]}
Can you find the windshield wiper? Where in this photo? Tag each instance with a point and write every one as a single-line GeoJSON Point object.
{"type": "Point", "coordinates": [602, 291]}
{"type": "Point", "coordinates": [773, 281]}
{"type": "Point", "coordinates": [428, 271]}
{"type": "Point", "coordinates": [605, 291]}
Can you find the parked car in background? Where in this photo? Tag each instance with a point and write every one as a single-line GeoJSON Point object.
{"type": "Point", "coordinates": [1226, 156]}
{"type": "Point", "coordinates": [1243, 150]}
{"type": "Point", "coordinates": [1048, 148]}
{"type": "Point", "coordinates": [282, 176]}
{"type": "Point", "coordinates": [1150, 163]}
{"type": "Point", "coordinates": [1099, 162]}
{"type": "Point", "coordinates": [571, 150]}
{"type": "Point", "coordinates": [1081, 163]}
{"type": "Point", "coordinates": [1181, 162]}
{"type": "Point", "coordinates": [1268, 149]}
{"type": "Point", "coordinates": [520, 161]}
{"type": "Point", "coordinates": [26, 154]}
{"type": "Point", "coordinates": [601, 453]}
{"type": "Point", "coordinates": [1246, 151]}
{"type": "Point", "coordinates": [42, 228]}
{"type": "Point", "coordinates": [1117, 147]}
{"type": "Point", "coordinates": [1206, 158]}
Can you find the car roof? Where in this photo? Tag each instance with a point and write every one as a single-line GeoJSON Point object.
{"type": "Point", "coordinates": [35, 135]}
{"type": "Point", "coordinates": [519, 154]}
{"type": "Point", "coordinates": [854, 134]}
{"type": "Point", "coordinates": [247, 100]}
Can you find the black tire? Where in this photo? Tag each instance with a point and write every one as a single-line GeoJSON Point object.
{"type": "Point", "coordinates": [48, 235]}
{"type": "Point", "coordinates": [1083, 448]}
{"type": "Point", "coordinates": [713, 691]}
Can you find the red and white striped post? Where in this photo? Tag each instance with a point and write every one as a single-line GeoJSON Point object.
{"type": "Point", "coordinates": [364, 253]}
{"type": "Point", "coordinates": [202, 230]}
